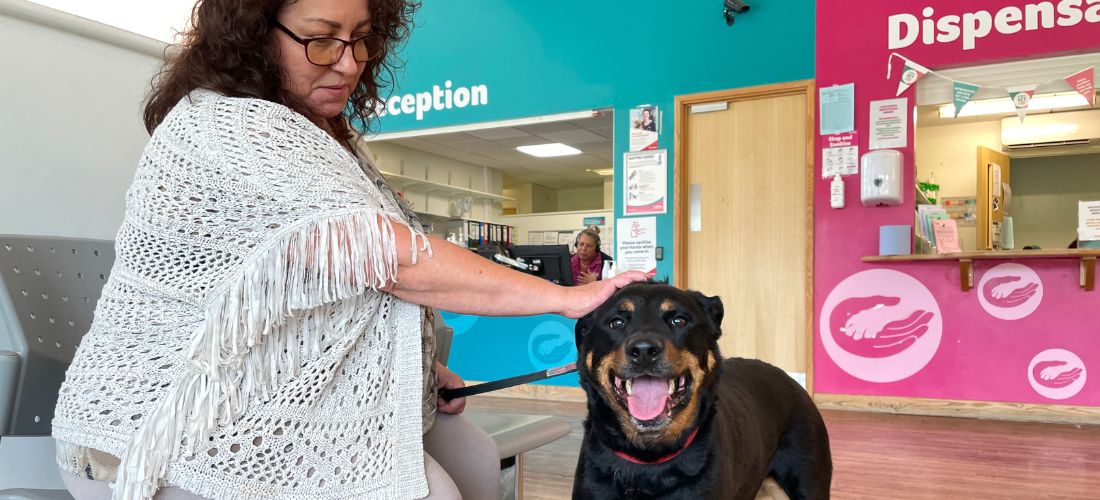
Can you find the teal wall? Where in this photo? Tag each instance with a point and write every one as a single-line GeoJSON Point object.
{"type": "Point", "coordinates": [539, 58]}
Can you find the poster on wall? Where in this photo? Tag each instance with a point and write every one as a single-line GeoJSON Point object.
{"type": "Point", "coordinates": [840, 156]}
{"type": "Point", "coordinates": [636, 244]}
{"type": "Point", "coordinates": [644, 125]}
{"type": "Point", "coordinates": [645, 182]}
{"type": "Point", "coordinates": [837, 107]}
{"type": "Point", "coordinates": [1088, 220]}
{"type": "Point", "coordinates": [889, 123]}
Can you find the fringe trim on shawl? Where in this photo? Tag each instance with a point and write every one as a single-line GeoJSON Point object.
{"type": "Point", "coordinates": [315, 266]}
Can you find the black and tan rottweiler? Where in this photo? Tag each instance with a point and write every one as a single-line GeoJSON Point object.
{"type": "Point", "coordinates": [669, 418]}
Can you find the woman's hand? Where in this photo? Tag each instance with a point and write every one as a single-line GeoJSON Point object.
{"type": "Point", "coordinates": [584, 298]}
{"type": "Point", "coordinates": [446, 379]}
{"type": "Point", "coordinates": [586, 278]}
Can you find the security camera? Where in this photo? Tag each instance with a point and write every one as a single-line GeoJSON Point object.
{"type": "Point", "coordinates": [732, 8]}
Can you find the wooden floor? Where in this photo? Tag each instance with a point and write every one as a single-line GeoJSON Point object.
{"type": "Point", "coordinates": [879, 456]}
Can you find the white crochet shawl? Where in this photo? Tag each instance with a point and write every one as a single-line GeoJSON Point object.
{"type": "Point", "coordinates": [241, 347]}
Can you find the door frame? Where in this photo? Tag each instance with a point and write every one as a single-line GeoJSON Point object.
{"type": "Point", "coordinates": [680, 195]}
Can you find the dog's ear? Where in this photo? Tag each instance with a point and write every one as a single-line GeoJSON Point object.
{"type": "Point", "coordinates": [583, 325]}
{"type": "Point", "coordinates": [712, 306]}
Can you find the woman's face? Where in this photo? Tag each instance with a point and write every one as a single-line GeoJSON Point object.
{"type": "Point", "coordinates": [645, 115]}
{"type": "Point", "coordinates": [323, 90]}
{"type": "Point", "coordinates": [586, 247]}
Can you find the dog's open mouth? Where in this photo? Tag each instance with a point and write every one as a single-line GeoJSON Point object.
{"type": "Point", "coordinates": [651, 400]}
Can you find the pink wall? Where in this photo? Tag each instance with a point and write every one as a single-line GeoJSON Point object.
{"type": "Point", "coordinates": [1027, 332]}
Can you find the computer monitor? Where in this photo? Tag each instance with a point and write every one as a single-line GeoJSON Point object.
{"type": "Point", "coordinates": [552, 261]}
{"type": "Point", "coordinates": [490, 250]}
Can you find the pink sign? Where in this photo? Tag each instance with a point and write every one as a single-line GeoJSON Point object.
{"type": "Point", "coordinates": [880, 325]}
{"type": "Point", "coordinates": [972, 345]}
{"type": "Point", "coordinates": [1010, 291]}
{"type": "Point", "coordinates": [1082, 82]}
{"type": "Point", "coordinates": [1056, 374]}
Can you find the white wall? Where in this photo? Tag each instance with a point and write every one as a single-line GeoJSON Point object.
{"type": "Point", "coordinates": [609, 193]}
{"type": "Point", "coordinates": [1045, 192]}
{"type": "Point", "coordinates": [410, 162]}
{"type": "Point", "coordinates": [71, 131]}
{"type": "Point", "coordinates": [951, 153]}
{"type": "Point", "coordinates": [588, 198]}
{"type": "Point", "coordinates": [562, 221]}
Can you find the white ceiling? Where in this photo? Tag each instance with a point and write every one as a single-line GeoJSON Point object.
{"type": "Point", "coordinates": [496, 148]}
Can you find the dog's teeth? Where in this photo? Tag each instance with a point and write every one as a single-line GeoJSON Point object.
{"type": "Point", "coordinates": [683, 381]}
{"type": "Point", "coordinates": [671, 386]}
{"type": "Point", "coordinates": [629, 387]}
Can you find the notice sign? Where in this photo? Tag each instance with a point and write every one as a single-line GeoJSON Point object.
{"type": "Point", "coordinates": [840, 155]}
{"type": "Point", "coordinates": [1088, 220]}
{"type": "Point", "coordinates": [644, 128]}
{"type": "Point", "coordinates": [645, 182]}
{"type": "Point", "coordinates": [636, 244]}
{"type": "Point", "coordinates": [889, 123]}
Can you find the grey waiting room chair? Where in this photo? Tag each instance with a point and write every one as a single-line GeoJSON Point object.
{"type": "Point", "coordinates": [48, 290]}
{"type": "Point", "coordinates": [49, 287]}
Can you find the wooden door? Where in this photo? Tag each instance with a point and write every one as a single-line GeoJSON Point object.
{"type": "Point", "coordinates": [993, 175]}
{"type": "Point", "coordinates": [748, 238]}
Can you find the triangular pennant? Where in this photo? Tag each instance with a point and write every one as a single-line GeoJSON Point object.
{"type": "Point", "coordinates": [963, 93]}
{"type": "Point", "coordinates": [1083, 82]}
{"type": "Point", "coordinates": [909, 75]}
{"type": "Point", "coordinates": [1021, 98]}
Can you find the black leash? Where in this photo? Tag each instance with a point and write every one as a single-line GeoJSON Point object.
{"type": "Point", "coordinates": [449, 394]}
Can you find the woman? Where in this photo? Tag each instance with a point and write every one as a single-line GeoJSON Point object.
{"type": "Point", "coordinates": [260, 334]}
{"type": "Point", "coordinates": [587, 261]}
{"type": "Point", "coordinates": [647, 120]}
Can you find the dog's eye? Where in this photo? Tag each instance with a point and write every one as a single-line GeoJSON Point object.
{"type": "Point", "coordinates": [678, 321]}
{"type": "Point", "coordinates": [616, 323]}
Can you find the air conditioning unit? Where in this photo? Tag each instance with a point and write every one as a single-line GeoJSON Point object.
{"type": "Point", "coordinates": [1069, 129]}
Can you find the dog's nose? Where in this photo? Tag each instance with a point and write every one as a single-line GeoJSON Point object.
{"type": "Point", "coordinates": [644, 350]}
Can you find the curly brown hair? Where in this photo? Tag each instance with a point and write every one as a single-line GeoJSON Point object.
{"type": "Point", "coordinates": [228, 50]}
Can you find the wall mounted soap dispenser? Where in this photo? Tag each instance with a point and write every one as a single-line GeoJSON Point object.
{"type": "Point", "coordinates": [880, 178]}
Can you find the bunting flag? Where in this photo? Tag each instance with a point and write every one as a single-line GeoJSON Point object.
{"type": "Point", "coordinates": [1021, 98]}
{"type": "Point", "coordinates": [1083, 82]}
{"type": "Point", "coordinates": [910, 74]}
{"type": "Point", "coordinates": [963, 93]}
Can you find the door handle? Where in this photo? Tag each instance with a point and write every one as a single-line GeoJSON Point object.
{"type": "Point", "coordinates": [695, 208]}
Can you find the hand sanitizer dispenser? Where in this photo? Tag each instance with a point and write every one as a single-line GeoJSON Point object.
{"type": "Point", "coordinates": [880, 178]}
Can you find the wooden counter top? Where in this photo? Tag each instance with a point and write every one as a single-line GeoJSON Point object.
{"type": "Point", "coordinates": [1086, 256]}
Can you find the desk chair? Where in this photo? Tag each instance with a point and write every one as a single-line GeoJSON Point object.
{"type": "Point", "coordinates": [49, 287]}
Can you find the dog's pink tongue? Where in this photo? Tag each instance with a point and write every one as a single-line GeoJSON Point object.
{"type": "Point", "coordinates": [647, 398]}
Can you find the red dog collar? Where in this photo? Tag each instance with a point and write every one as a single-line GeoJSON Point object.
{"type": "Point", "coordinates": [663, 459]}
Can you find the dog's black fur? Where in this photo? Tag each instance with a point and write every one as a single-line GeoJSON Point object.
{"type": "Point", "coordinates": [753, 420]}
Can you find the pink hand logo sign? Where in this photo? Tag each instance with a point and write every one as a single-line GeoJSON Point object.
{"type": "Point", "coordinates": [1010, 291]}
{"type": "Point", "coordinates": [871, 327]}
{"type": "Point", "coordinates": [880, 325]}
{"type": "Point", "coordinates": [1056, 374]}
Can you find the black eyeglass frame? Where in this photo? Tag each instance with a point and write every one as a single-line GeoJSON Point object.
{"type": "Point", "coordinates": [344, 44]}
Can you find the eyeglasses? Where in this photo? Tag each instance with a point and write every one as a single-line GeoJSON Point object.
{"type": "Point", "coordinates": [325, 51]}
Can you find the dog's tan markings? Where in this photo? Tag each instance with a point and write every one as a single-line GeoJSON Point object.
{"type": "Point", "coordinates": [668, 305]}
{"type": "Point", "coordinates": [682, 421]}
{"type": "Point", "coordinates": [771, 490]}
{"type": "Point", "coordinates": [603, 376]}
{"type": "Point", "coordinates": [626, 305]}
{"type": "Point", "coordinates": [588, 361]}
{"type": "Point", "coordinates": [711, 361]}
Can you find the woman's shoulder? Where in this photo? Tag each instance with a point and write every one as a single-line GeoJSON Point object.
{"type": "Point", "coordinates": [206, 102]}
{"type": "Point", "coordinates": [206, 114]}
